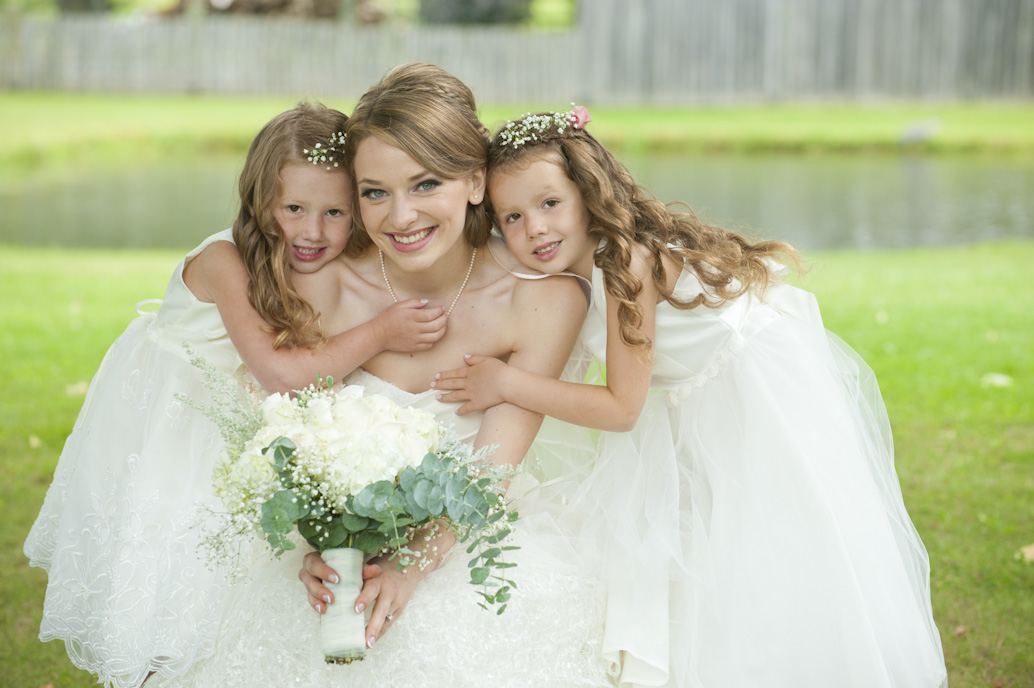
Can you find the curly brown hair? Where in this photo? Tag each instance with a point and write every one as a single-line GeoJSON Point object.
{"type": "Point", "coordinates": [259, 238]}
{"type": "Point", "coordinates": [431, 116]}
{"type": "Point", "coordinates": [625, 214]}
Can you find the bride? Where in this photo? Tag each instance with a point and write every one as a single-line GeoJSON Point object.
{"type": "Point", "coordinates": [418, 152]}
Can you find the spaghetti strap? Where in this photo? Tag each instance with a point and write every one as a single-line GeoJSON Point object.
{"type": "Point", "coordinates": [585, 284]}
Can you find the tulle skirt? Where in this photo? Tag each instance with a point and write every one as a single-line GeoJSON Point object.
{"type": "Point", "coordinates": [752, 532]}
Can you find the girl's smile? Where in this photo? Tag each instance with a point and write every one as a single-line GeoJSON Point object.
{"type": "Point", "coordinates": [314, 212]}
{"type": "Point", "coordinates": [542, 217]}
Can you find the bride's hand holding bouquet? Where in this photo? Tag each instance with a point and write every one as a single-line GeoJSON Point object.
{"type": "Point", "coordinates": [359, 477]}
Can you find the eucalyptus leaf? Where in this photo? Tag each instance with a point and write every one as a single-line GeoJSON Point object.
{"type": "Point", "coordinates": [436, 501]}
{"type": "Point", "coordinates": [370, 541]}
{"type": "Point", "coordinates": [477, 503]}
{"type": "Point", "coordinates": [280, 512]}
{"type": "Point", "coordinates": [407, 478]}
{"type": "Point", "coordinates": [479, 575]}
{"type": "Point", "coordinates": [497, 537]}
{"type": "Point", "coordinates": [362, 503]}
{"type": "Point", "coordinates": [354, 523]}
{"type": "Point", "coordinates": [418, 512]}
{"type": "Point", "coordinates": [382, 490]}
{"type": "Point", "coordinates": [283, 449]}
{"type": "Point", "coordinates": [307, 529]}
{"type": "Point", "coordinates": [421, 492]}
{"type": "Point", "coordinates": [334, 535]}
{"type": "Point", "coordinates": [280, 543]}
{"type": "Point", "coordinates": [397, 501]}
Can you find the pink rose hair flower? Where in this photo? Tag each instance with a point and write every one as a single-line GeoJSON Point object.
{"type": "Point", "coordinates": [529, 127]}
{"type": "Point", "coordinates": [581, 116]}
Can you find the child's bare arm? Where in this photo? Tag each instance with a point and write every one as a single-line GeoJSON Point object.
{"type": "Point", "coordinates": [614, 407]}
{"type": "Point", "coordinates": [218, 275]}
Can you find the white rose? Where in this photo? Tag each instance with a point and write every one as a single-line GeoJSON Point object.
{"type": "Point", "coordinates": [319, 412]}
{"type": "Point", "coordinates": [278, 409]}
{"type": "Point", "coordinates": [352, 412]}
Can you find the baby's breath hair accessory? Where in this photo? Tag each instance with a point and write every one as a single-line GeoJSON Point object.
{"type": "Point", "coordinates": [320, 155]}
{"type": "Point", "coordinates": [529, 127]}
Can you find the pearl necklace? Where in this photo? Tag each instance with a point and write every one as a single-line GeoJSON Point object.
{"type": "Point", "coordinates": [470, 268]}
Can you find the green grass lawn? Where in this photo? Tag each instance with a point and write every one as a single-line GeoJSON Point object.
{"type": "Point", "coordinates": [39, 130]}
{"type": "Point", "coordinates": [934, 324]}
{"type": "Point", "coordinates": [948, 331]}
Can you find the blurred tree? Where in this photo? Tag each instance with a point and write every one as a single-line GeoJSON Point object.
{"type": "Point", "coordinates": [475, 11]}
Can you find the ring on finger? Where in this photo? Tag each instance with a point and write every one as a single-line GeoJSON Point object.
{"type": "Point", "coordinates": [388, 616]}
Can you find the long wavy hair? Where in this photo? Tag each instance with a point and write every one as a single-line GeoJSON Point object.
{"type": "Point", "coordinates": [258, 236]}
{"type": "Point", "coordinates": [431, 116]}
{"type": "Point", "coordinates": [624, 214]}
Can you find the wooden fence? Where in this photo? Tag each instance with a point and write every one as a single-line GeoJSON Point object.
{"type": "Point", "coordinates": [620, 51]}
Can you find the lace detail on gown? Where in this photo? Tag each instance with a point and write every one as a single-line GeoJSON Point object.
{"type": "Point", "coordinates": [550, 635]}
{"type": "Point", "coordinates": [116, 533]}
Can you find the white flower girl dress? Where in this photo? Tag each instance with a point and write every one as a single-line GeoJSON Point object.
{"type": "Point", "coordinates": [750, 528]}
{"type": "Point", "coordinates": [126, 591]}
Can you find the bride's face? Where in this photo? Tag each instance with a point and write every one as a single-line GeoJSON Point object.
{"type": "Point", "coordinates": [412, 215]}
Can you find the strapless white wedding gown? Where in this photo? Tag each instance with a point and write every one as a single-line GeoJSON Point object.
{"type": "Point", "coordinates": [550, 634]}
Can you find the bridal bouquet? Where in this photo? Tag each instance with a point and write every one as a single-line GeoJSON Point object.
{"type": "Point", "coordinates": [361, 474]}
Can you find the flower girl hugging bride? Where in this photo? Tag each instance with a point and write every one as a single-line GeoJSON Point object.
{"type": "Point", "coordinates": [744, 507]}
{"type": "Point", "coordinates": [126, 591]}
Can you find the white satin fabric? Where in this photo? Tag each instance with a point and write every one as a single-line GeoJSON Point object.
{"type": "Point", "coordinates": [125, 591]}
{"type": "Point", "coordinates": [750, 529]}
{"type": "Point", "coordinates": [550, 635]}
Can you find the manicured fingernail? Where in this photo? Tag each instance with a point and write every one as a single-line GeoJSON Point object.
{"type": "Point", "coordinates": [371, 642]}
{"type": "Point", "coordinates": [359, 608]}
{"type": "Point", "coordinates": [333, 578]}
{"type": "Point", "coordinates": [437, 376]}
{"type": "Point", "coordinates": [439, 396]}
{"type": "Point", "coordinates": [423, 301]}
{"type": "Point", "coordinates": [467, 355]}
{"type": "Point", "coordinates": [326, 598]}
{"type": "Point", "coordinates": [433, 385]}
{"type": "Point", "coordinates": [318, 608]}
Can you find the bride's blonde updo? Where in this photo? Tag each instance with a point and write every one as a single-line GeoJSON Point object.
{"type": "Point", "coordinates": [431, 116]}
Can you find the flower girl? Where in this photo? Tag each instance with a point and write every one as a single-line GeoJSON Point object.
{"type": "Point", "coordinates": [744, 507]}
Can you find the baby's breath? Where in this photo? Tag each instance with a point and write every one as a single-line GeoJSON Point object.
{"type": "Point", "coordinates": [530, 126]}
{"type": "Point", "coordinates": [327, 155]}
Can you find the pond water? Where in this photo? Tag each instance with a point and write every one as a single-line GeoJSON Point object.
{"type": "Point", "coordinates": [815, 202]}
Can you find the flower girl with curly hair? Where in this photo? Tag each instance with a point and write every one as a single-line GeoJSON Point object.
{"type": "Point", "coordinates": [116, 534]}
{"type": "Point", "coordinates": [744, 508]}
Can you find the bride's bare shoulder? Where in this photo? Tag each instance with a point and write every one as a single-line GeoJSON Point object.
{"type": "Point", "coordinates": [531, 288]}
